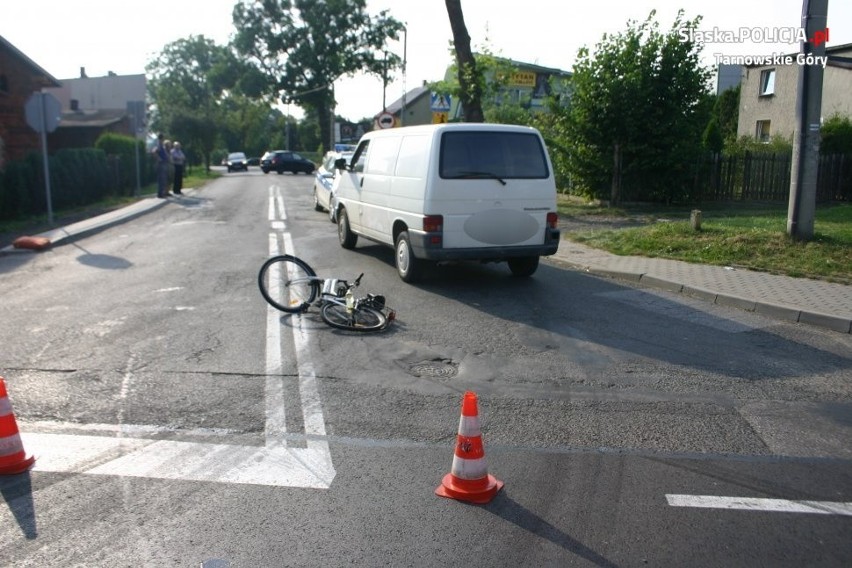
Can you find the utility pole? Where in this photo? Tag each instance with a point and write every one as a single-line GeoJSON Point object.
{"type": "Point", "coordinates": [404, 62]}
{"type": "Point", "coordinates": [801, 209]}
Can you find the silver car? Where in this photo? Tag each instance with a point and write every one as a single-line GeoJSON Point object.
{"type": "Point", "coordinates": [324, 180]}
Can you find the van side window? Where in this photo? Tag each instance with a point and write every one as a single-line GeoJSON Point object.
{"type": "Point", "coordinates": [410, 162]}
{"type": "Point", "coordinates": [360, 157]}
{"type": "Point", "coordinates": [506, 155]}
{"type": "Point", "coordinates": [383, 153]}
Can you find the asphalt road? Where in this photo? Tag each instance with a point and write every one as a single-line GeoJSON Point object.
{"type": "Point", "coordinates": [178, 421]}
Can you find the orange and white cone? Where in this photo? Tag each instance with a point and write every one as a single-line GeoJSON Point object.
{"type": "Point", "coordinates": [468, 479]}
{"type": "Point", "coordinates": [13, 458]}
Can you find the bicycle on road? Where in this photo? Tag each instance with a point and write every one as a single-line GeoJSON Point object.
{"type": "Point", "coordinates": [289, 284]}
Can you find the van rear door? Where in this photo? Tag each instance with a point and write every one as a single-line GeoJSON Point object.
{"type": "Point", "coordinates": [494, 188]}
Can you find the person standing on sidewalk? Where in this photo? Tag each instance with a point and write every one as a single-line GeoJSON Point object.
{"type": "Point", "coordinates": [178, 161]}
{"type": "Point", "coordinates": [161, 154]}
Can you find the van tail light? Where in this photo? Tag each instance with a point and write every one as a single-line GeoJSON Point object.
{"type": "Point", "coordinates": [552, 220]}
{"type": "Point", "coordinates": [433, 223]}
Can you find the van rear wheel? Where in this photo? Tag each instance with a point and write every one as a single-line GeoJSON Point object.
{"type": "Point", "coordinates": [408, 266]}
{"type": "Point", "coordinates": [523, 266]}
{"type": "Point", "coordinates": [347, 238]}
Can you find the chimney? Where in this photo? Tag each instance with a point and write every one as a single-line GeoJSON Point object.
{"type": "Point", "coordinates": [83, 73]}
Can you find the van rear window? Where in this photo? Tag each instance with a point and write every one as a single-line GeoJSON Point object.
{"type": "Point", "coordinates": [490, 154]}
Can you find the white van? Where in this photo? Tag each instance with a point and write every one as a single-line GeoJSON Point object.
{"type": "Point", "coordinates": [465, 191]}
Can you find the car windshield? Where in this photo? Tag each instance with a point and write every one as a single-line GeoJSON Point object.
{"type": "Point", "coordinates": [237, 156]}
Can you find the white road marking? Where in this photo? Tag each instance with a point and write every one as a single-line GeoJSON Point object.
{"type": "Point", "coordinates": [274, 389]}
{"type": "Point", "coordinates": [271, 464]}
{"type": "Point", "coordinates": [759, 504]}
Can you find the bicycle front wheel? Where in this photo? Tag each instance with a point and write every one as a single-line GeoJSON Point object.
{"type": "Point", "coordinates": [288, 283]}
{"type": "Point", "coordinates": [362, 318]}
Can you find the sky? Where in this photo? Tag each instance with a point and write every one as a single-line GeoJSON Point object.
{"type": "Point", "coordinates": [122, 36]}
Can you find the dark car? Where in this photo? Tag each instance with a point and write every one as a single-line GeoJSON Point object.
{"type": "Point", "coordinates": [281, 161]}
{"type": "Point", "coordinates": [237, 161]}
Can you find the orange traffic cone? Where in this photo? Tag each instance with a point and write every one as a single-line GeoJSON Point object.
{"type": "Point", "coordinates": [468, 479]}
{"type": "Point", "coordinates": [13, 458]}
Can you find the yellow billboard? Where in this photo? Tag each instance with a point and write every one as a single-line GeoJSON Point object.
{"type": "Point", "coordinates": [522, 79]}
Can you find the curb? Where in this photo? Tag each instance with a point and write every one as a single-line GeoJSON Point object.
{"type": "Point", "coordinates": [87, 227]}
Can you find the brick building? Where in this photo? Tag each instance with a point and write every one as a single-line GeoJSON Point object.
{"type": "Point", "coordinates": [20, 77]}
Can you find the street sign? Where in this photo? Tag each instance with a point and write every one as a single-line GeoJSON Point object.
{"type": "Point", "coordinates": [440, 117]}
{"type": "Point", "coordinates": [386, 120]}
{"type": "Point", "coordinates": [440, 103]}
{"type": "Point", "coordinates": [43, 112]}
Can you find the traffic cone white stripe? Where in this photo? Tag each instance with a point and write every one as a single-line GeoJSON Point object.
{"type": "Point", "coordinates": [10, 445]}
{"type": "Point", "coordinates": [469, 426]}
{"type": "Point", "coordinates": [469, 469]}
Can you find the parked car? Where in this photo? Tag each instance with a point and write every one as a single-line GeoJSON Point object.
{"type": "Point", "coordinates": [254, 161]}
{"type": "Point", "coordinates": [324, 179]}
{"type": "Point", "coordinates": [281, 161]}
{"type": "Point", "coordinates": [237, 161]}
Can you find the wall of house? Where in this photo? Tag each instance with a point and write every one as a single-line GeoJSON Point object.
{"type": "Point", "coordinates": [780, 108]}
{"type": "Point", "coordinates": [18, 82]}
{"type": "Point", "coordinates": [837, 92]}
{"type": "Point", "coordinates": [101, 93]}
{"type": "Point", "coordinates": [417, 111]}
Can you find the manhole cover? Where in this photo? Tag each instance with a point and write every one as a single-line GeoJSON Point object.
{"type": "Point", "coordinates": [443, 368]}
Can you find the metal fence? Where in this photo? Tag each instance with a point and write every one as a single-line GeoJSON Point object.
{"type": "Point", "coordinates": [766, 177]}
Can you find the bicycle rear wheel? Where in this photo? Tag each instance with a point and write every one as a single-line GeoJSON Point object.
{"type": "Point", "coordinates": [362, 318]}
{"type": "Point", "coordinates": [288, 283]}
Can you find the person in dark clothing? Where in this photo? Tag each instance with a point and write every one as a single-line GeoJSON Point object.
{"type": "Point", "coordinates": [178, 161]}
{"type": "Point", "coordinates": [163, 159]}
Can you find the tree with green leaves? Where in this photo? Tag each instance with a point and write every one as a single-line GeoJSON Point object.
{"type": "Point", "coordinates": [187, 82]}
{"type": "Point", "coordinates": [726, 111]}
{"type": "Point", "coordinates": [301, 47]}
{"type": "Point", "coordinates": [637, 113]}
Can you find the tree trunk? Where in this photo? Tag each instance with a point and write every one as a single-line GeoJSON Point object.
{"type": "Point", "coordinates": [615, 192]}
{"type": "Point", "coordinates": [471, 90]}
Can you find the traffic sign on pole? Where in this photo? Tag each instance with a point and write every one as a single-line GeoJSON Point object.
{"type": "Point", "coordinates": [43, 113]}
{"type": "Point", "coordinates": [386, 120]}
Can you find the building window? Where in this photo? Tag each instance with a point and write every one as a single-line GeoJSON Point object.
{"type": "Point", "coordinates": [767, 82]}
{"type": "Point", "coordinates": [762, 130]}
{"type": "Point", "coordinates": [4, 85]}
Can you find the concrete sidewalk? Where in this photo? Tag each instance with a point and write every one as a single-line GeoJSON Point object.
{"type": "Point", "coordinates": [802, 300]}
{"type": "Point", "coordinates": [92, 225]}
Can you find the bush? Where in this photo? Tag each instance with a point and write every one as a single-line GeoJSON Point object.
{"type": "Point", "coordinates": [750, 144]}
{"type": "Point", "coordinates": [122, 150]}
{"type": "Point", "coordinates": [836, 136]}
{"type": "Point", "coordinates": [78, 176]}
